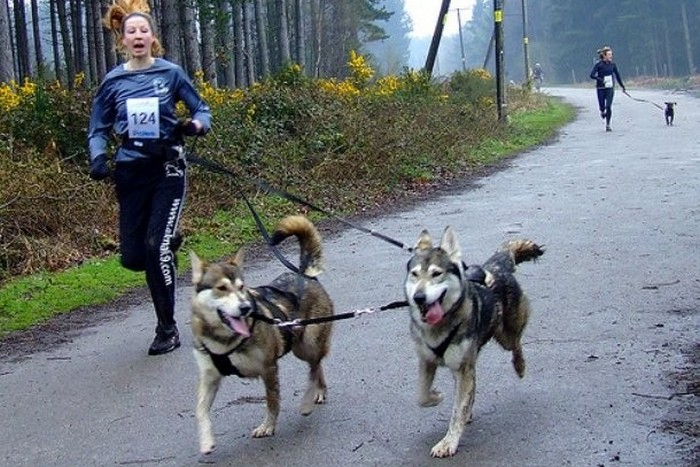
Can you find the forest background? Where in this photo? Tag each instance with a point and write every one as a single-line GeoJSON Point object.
{"type": "Point", "coordinates": [235, 43]}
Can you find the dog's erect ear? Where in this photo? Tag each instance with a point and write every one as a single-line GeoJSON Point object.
{"type": "Point", "coordinates": [425, 242]}
{"type": "Point", "coordinates": [197, 268]}
{"type": "Point", "coordinates": [239, 258]}
{"type": "Point", "coordinates": [450, 245]}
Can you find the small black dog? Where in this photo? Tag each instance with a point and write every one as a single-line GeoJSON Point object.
{"type": "Point", "coordinates": [669, 112]}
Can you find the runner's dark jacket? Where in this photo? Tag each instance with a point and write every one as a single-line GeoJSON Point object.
{"type": "Point", "coordinates": [602, 69]}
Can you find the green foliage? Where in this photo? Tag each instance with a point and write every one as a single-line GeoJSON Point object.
{"type": "Point", "coordinates": [51, 118]}
{"type": "Point", "coordinates": [472, 85]}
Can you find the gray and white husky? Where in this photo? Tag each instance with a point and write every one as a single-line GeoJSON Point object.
{"type": "Point", "coordinates": [230, 340]}
{"type": "Point", "coordinates": [455, 310]}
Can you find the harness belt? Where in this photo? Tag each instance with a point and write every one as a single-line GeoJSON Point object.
{"type": "Point", "coordinates": [264, 293]}
{"type": "Point", "coordinates": [160, 150]}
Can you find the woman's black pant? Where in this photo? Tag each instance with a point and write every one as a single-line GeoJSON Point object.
{"type": "Point", "coordinates": [151, 196]}
{"type": "Point", "coordinates": [605, 99]}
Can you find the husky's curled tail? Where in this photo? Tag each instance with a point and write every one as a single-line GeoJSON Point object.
{"type": "Point", "coordinates": [311, 261]}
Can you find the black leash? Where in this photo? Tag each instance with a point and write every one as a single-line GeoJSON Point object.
{"type": "Point", "coordinates": [258, 221]}
{"type": "Point", "coordinates": [218, 168]}
{"type": "Point", "coordinates": [264, 186]}
{"type": "Point", "coordinates": [642, 100]}
{"type": "Point", "coordinates": [325, 319]}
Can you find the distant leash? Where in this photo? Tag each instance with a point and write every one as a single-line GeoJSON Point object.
{"type": "Point", "coordinates": [642, 100]}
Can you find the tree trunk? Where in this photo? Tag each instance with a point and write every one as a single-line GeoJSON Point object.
{"type": "Point", "coordinates": [208, 31]}
{"type": "Point", "coordinates": [54, 43]}
{"type": "Point", "coordinates": [98, 38]}
{"type": "Point", "coordinates": [283, 39]}
{"type": "Point", "coordinates": [108, 39]}
{"type": "Point", "coordinates": [193, 60]}
{"type": "Point", "coordinates": [248, 42]}
{"type": "Point", "coordinates": [261, 21]}
{"type": "Point", "coordinates": [66, 39]}
{"type": "Point", "coordinates": [78, 37]}
{"type": "Point", "coordinates": [172, 33]}
{"type": "Point", "coordinates": [317, 32]}
{"type": "Point", "coordinates": [91, 74]}
{"type": "Point", "coordinates": [688, 45]}
{"type": "Point", "coordinates": [238, 55]}
{"type": "Point", "coordinates": [224, 30]}
{"type": "Point", "coordinates": [669, 57]}
{"type": "Point", "coordinates": [299, 34]}
{"type": "Point", "coordinates": [23, 65]}
{"type": "Point", "coordinates": [7, 71]}
{"type": "Point", "coordinates": [38, 50]}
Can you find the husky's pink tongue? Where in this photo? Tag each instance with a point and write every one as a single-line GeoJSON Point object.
{"type": "Point", "coordinates": [434, 314]}
{"type": "Point", "coordinates": [239, 326]}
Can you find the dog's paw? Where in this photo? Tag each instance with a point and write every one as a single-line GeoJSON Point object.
{"type": "Point", "coordinates": [206, 446]}
{"type": "Point", "coordinates": [445, 448]}
{"type": "Point", "coordinates": [263, 431]}
{"type": "Point", "coordinates": [431, 399]}
{"type": "Point", "coordinates": [312, 398]}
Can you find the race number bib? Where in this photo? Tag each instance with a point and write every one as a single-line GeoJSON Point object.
{"type": "Point", "coordinates": [608, 81]}
{"type": "Point", "coordinates": [144, 118]}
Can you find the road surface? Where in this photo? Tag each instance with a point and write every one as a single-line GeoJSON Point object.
{"type": "Point", "coordinates": [609, 349]}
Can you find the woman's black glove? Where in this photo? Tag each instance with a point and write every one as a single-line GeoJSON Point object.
{"type": "Point", "coordinates": [187, 128]}
{"type": "Point", "coordinates": [98, 168]}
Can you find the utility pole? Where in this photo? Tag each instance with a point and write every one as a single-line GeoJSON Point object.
{"type": "Point", "coordinates": [437, 35]}
{"type": "Point", "coordinates": [500, 68]}
{"type": "Point", "coordinates": [461, 41]}
{"type": "Point", "coordinates": [526, 44]}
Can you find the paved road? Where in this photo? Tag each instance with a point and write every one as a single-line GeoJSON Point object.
{"type": "Point", "coordinates": [616, 301]}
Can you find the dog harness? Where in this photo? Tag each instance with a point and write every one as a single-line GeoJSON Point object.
{"type": "Point", "coordinates": [479, 323]}
{"type": "Point", "coordinates": [222, 362]}
{"type": "Point", "coordinates": [268, 294]}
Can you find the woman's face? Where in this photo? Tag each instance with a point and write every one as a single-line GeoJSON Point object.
{"type": "Point", "coordinates": [608, 56]}
{"type": "Point", "coordinates": [138, 37]}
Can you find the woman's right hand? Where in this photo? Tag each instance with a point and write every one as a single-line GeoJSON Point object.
{"type": "Point", "coordinates": [98, 168]}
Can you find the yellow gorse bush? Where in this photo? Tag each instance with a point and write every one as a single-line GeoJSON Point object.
{"type": "Point", "coordinates": [481, 73]}
{"type": "Point", "coordinates": [13, 95]}
{"type": "Point", "coordinates": [79, 80]}
{"type": "Point", "coordinates": [360, 71]}
{"type": "Point", "coordinates": [217, 97]}
{"type": "Point", "coordinates": [341, 89]}
{"type": "Point", "coordinates": [387, 85]}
